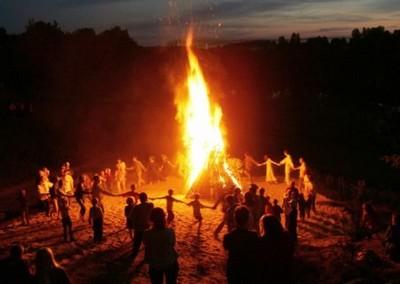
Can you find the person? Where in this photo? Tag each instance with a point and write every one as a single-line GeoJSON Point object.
{"type": "Point", "coordinates": [309, 194]}
{"type": "Point", "coordinates": [66, 220]}
{"type": "Point", "coordinates": [170, 199]}
{"type": "Point", "coordinates": [237, 194]}
{"type": "Point", "coordinates": [166, 167]}
{"type": "Point", "coordinates": [120, 176]}
{"type": "Point", "coordinates": [54, 196]}
{"type": "Point", "coordinates": [152, 170]}
{"type": "Point", "coordinates": [159, 249]}
{"type": "Point", "coordinates": [302, 168]}
{"type": "Point", "coordinates": [288, 163]}
{"type": "Point", "coordinates": [141, 221]}
{"type": "Point", "coordinates": [23, 207]}
{"type": "Point", "coordinates": [128, 215]}
{"type": "Point", "coordinates": [277, 210]}
{"type": "Point", "coordinates": [14, 269]}
{"type": "Point", "coordinates": [275, 252]}
{"type": "Point", "coordinates": [197, 205]}
{"type": "Point", "coordinates": [292, 189]}
{"type": "Point", "coordinates": [392, 238]}
{"type": "Point", "coordinates": [228, 210]}
{"type": "Point", "coordinates": [241, 245]}
{"type": "Point", "coordinates": [47, 270]}
{"type": "Point", "coordinates": [251, 201]}
{"type": "Point", "coordinates": [269, 173]}
{"type": "Point", "coordinates": [79, 197]}
{"type": "Point", "coordinates": [44, 189]}
{"type": "Point", "coordinates": [96, 192]}
{"type": "Point", "coordinates": [290, 209]}
{"type": "Point", "coordinates": [268, 206]}
{"type": "Point", "coordinates": [134, 194]}
{"type": "Point", "coordinates": [138, 169]}
{"type": "Point", "coordinates": [67, 184]}
{"type": "Point", "coordinates": [263, 201]}
{"type": "Point", "coordinates": [248, 163]}
{"type": "Point", "coordinates": [108, 176]}
{"type": "Point", "coordinates": [96, 216]}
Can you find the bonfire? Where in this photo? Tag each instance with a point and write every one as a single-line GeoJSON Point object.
{"type": "Point", "coordinates": [204, 154]}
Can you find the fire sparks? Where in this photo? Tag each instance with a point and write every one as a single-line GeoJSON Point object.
{"type": "Point", "coordinates": [201, 121]}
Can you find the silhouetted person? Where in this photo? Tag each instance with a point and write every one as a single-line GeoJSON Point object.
{"type": "Point", "coordinates": [241, 245]}
{"type": "Point", "coordinates": [277, 210]}
{"type": "Point", "coordinates": [141, 221]}
{"type": "Point", "coordinates": [14, 269]}
{"type": "Point", "coordinates": [263, 201]}
{"type": "Point", "coordinates": [369, 220]}
{"type": "Point", "coordinates": [197, 205]}
{"type": "Point", "coordinates": [134, 194]}
{"type": "Point", "coordinates": [96, 191]}
{"type": "Point", "coordinates": [66, 220]}
{"type": "Point", "coordinates": [290, 210]}
{"type": "Point", "coordinates": [170, 199]}
{"type": "Point", "coordinates": [128, 215]}
{"type": "Point", "coordinates": [392, 238]}
{"type": "Point", "coordinates": [23, 207]}
{"type": "Point", "coordinates": [48, 271]}
{"type": "Point", "coordinates": [268, 206]}
{"type": "Point", "coordinates": [159, 248]}
{"type": "Point", "coordinates": [275, 252]}
{"type": "Point", "coordinates": [228, 219]}
{"type": "Point", "coordinates": [79, 197]}
{"type": "Point", "coordinates": [96, 217]}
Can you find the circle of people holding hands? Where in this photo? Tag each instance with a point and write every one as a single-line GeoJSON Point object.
{"type": "Point", "coordinates": [260, 249]}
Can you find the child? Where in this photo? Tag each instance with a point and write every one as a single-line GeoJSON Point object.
{"type": "Point", "coordinates": [96, 220]}
{"type": "Point", "coordinates": [66, 220]}
{"type": "Point", "coordinates": [128, 214]}
{"type": "Point", "coordinates": [23, 205]}
{"type": "Point", "coordinates": [170, 202]}
{"type": "Point", "coordinates": [196, 210]}
{"type": "Point", "coordinates": [277, 210]}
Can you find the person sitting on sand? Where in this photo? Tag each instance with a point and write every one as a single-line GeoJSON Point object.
{"type": "Point", "coordinates": [48, 271]}
{"type": "Point", "coordinates": [141, 221]}
{"type": "Point", "coordinates": [241, 244]}
{"type": "Point", "coordinates": [197, 205]}
{"type": "Point", "coordinates": [392, 238]}
{"type": "Point", "coordinates": [96, 217]}
{"type": "Point", "coordinates": [159, 249]}
{"type": "Point", "coordinates": [170, 199]}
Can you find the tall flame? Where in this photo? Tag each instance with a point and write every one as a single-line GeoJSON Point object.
{"type": "Point", "coordinates": [200, 119]}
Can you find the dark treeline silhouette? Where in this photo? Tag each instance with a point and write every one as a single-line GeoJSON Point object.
{"type": "Point", "coordinates": [87, 97]}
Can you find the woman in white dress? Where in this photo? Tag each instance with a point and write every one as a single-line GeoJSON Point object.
{"type": "Point", "coordinates": [269, 176]}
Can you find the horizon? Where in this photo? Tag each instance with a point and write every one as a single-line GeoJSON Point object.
{"type": "Point", "coordinates": [158, 23]}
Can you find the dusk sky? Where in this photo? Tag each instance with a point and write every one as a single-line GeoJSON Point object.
{"type": "Point", "coordinates": [153, 22]}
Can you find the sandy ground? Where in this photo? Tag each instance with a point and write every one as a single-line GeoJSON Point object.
{"type": "Point", "coordinates": [321, 251]}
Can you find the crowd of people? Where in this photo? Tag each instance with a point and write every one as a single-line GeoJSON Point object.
{"type": "Point", "coordinates": [260, 248]}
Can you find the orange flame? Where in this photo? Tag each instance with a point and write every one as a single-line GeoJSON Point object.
{"type": "Point", "coordinates": [200, 119]}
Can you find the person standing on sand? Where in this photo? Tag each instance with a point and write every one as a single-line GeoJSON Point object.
{"type": "Point", "coordinates": [170, 199]}
{"type": "Point", "coordinates": [96, 217]}
{"type": "Point", "coordinates": [277, 210]}
{"type": "Point", "coordinates": [159, 249]}
{"type": "Point", "coordinates": [79, 197]}
{"type": "Point", "coordinates": [248, 163]}
{"type": "Point", "coordinates": [302, 168]}
{"type": "Point", "coordinates": [241, 245]}
{"type": "Point", "coordinates": [128, 215]}
{"type": "Point", "coordinates": [66, 220]}
{"type": "Point", "coordinates": [269, 171]}
{"type": "Point", "coordinates": [138, 168]}
{"type": "Point", "coordinates": [23, 207]}
{"type": "Point", "coordinates": [197, 205]}
{"type": "Point", "coordinates": [141, 221]}
{"type": "Point", "coordinates": [120, 176]}
{"type": "Point", "coordinates": [288, 163]}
